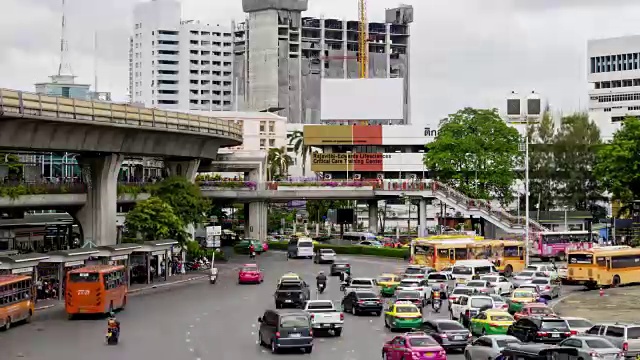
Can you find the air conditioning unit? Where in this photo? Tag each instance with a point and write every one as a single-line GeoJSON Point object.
{"type": "Point", "coordinates": [357, 177]}
{"type": "Point", "coordinates": [327, 176]}
{"type": "Point", "coordinates": [413, 176]}
{"type": "Point", "coordinates": [380, 176]}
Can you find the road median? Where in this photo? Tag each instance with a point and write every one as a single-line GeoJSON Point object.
{"type": "Point", "coordinates": [617, 304]}
{"type": "Point", "coordinates": [384, 252]}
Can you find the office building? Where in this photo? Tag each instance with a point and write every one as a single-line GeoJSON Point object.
{"type": "Point", "coordinates": [613, 67]}
{"type": "Point", "coordinates": [179, 64]}
{"type": "Point", "coordinates": [260, 130]}
{"type": "Point", "coordinates": [281, 57]}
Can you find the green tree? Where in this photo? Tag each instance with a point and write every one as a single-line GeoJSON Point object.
{"type": "Point", "coordinates": [154, 219]}
{"type": "Point", "coordinates": [304, 151]}
{"type": "Point", "coordinates": [217, 210]}
{"type": "Point", "coordinates": [476, 152]}
{"type": "Point", "coordinates": [618, 162]}
{"type": "Point", "coordinates": [318, 208]}
{"type": "Point", "coordinates": [574, 152]}
{"type": "Point", "coordinates": [275, 216]}
{"type": "Point", "coordinates": [12, 161]}
{"type": "Point", "coordinates": [184, 198]}
{"type": "Point", "coordinates": [542, 170]}
{"type": "Point", "coordinates": [278, 162]}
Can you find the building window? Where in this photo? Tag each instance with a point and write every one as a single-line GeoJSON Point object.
{"type": "Point", "coordinates": [66, 91]}
{"type": "Point", "coordinates": [262, 126]}
{"type": "Point", "coordinates": [263, 143]}
{"type": "Point", "coordinates": [272, 127]}
{"type": "Point", "coordinates": [272, 143]}
{"type": "Point", "coordinates": [607, 109]}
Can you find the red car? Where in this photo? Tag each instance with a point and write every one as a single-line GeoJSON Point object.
{"type": "Point", "coordinates": [413, 345]}
{"type": "Point", "coordinates": [265, 246]}
{"type": "Point", "coordinates": [250, 274]}
{"type": "Point", "coordinates": [534, 309]}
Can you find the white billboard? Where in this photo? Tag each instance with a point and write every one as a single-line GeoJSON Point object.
{"type": "Point", "coordinates": [362, 99]}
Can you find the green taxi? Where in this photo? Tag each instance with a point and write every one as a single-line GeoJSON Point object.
{"type": "Point", "coordinates": [403, 315]}
{"type": "Point", "coordinates": [520, 297]}
{"type": "Point", "coordinates": [491, 322]}
{"type": "Point", "coordinates": [388, 284]}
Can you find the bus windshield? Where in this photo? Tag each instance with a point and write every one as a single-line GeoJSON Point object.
{"type": "Point", "coordinates": [84, 277]}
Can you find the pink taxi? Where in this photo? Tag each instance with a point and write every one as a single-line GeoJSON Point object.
{"type": "Point", "coordinates": [250, 274]}
{"type": "Point", "coordinates": [413, 345]}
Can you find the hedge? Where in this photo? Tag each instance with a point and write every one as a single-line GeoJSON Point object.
{"type": "Point", "coordinates": [351, 250]}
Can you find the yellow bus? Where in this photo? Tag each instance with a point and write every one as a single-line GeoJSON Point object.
{"type": "Point", "coordinates": [17, 300]}
{"type": "Point", "coordinates": [439, 254]}
{"type": "Point", "coordinates": [604, 266]}
{"type": "Point", "coordinates": [507, 255]}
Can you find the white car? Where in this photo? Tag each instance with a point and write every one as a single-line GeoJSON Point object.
{"type": "Point", "coordinates": [417, 272]}
{"type": "Point", "coordinates": [488, 346]}
{"type": "Point", "coordinates": [580, 325]}
{"type": "Point", "coordinates": [324, 256]}
{"type": "Point", "coordinates": [526, 276]}
{"type": "Point", "coordinates": [419, 285]}
{"type": "Point", "coordinates": [548, 270]}
{"type": "Point", "coordinates": [500, 283]}
{"type": "Point", "coordinates": [481, 286]}
{"type": "Point", "coordinates": [466, 307]}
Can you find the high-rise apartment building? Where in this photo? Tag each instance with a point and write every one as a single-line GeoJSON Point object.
{"type": "Point", "coordinates": [613, 68]}
{"type": "Point", "coordinates": [281, 56]}
{"type": "Point", "coordinates": [179, 64]}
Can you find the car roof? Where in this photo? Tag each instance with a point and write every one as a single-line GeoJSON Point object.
{"type": "Point", "coordinates": [362, 278]}
{"type": "Point", "coordinates": [340, 262]}
{"type": "Point", "coordinates": [498, 336]}
{"type": "Point", "coordinates": [575, 318]}
{"type": "Point", "coordinates": [481, 296]}
{"type": "Point", "coordinates": [388, 275]}
{"type": "Point", "coordinates": [256, 265]}
{"type": "Point", "coordinates": [541, 278]}
{"type": "Point", "coordinates": [587, 337]}
{"type": "Point", "coordinates": [496, 311]}
{"type": "Point", "coordinates": [443, 321]}
{"type": "Point", "coordinates": [289, 312]}
{"type": "Point", "coordinates": [412, 280]}
{"type": "Point", "coordinates": [532, 305]}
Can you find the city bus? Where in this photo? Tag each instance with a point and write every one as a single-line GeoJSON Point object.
{"type": "Point", "coordinates": [96, 289]}
{"type": "Point", "coordinates": [506, 255]}
{"type": "Point", "coordinates": [557, 244]}
{"type": "Point", "coordinates": [17, 300]}
{"type": "Point", "coordinates": [604, 266]}
{"type": "Point", "coordinates": [439, 254]}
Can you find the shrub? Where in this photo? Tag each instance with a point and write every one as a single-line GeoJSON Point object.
{"type": "Point", "coordinates": [352, 250]}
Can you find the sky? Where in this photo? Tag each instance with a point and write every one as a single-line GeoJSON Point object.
{"type": "Point", "coordinates": [463, 52]}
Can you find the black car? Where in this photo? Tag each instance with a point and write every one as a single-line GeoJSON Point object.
{"type": "Point", "coordinates": [543, 329]}
{"type": "Point", "coordinates": [285, 330]}
{"type": "Point", "coordinates": [449, 334]}
{"type": "Point", "coordinates": [339, 267]}
{"type": "Point", "coordinates": [292, 293]}
{"type": "Point", "coordinates": [535, 352]}
{"type": "Point", "coordinates": [408, 295]}
{"type": "Point", "coordinates": [359, 301]}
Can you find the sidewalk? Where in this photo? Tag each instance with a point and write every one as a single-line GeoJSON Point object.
{"type": "Point", "coordinates": [618, 304]}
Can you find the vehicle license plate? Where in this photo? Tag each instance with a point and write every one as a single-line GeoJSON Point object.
{"type": "Point", "coordinates": [295, 335]}
{"type": "Point", "coordinates": [370, 303]}
{"type": "Point", "coordinates": [287, 301]}
{"type": "Point", "coordinates": [428, 354]}
{"type": "Point", "coordinates": [555, 335]}
{"type": "Point", "coordinates": [458, 337]}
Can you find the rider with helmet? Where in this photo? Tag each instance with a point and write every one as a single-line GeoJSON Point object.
{"type": "Point", "coordinates": [113, 326]}
{"type": "Point", "coordinates": [321, 279]}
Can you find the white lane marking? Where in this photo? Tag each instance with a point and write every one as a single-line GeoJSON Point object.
{"type": "Point", "coordinates": [253, 325]}
{"type": "Point", "coordinates": [188, 340]}
{"type": "Point", "coordinates": [191, 349]}
{"type": "Point", "coordinates": [205, 314]}
{"type": "Point", "coordinates": [197, 319]}
{"type": "Point", "coordinates": [188, 333]}
{"type": "Point", "coordinates": [253, 333]}
{"type": "Point", "coordinates": [191, 326]}
{"type": "Point", "coordinates": [333, 349]}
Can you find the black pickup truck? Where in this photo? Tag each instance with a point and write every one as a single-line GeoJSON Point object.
{"type": "Point", "coordinates": [292, 293]}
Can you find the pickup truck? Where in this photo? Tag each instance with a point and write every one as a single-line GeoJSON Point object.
{"type": "Point", "coordinates": [292, 293]}
{"type": "Point", "coordinates": [361, 284]}
{"type": "Point", "coordinates": [324, 316]}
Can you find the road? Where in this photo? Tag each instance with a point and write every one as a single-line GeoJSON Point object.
{"type": "Point", "coordinates": [201, 321]}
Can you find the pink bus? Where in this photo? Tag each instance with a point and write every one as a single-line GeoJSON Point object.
{"type": "Point", "coordinates": [556, 244]}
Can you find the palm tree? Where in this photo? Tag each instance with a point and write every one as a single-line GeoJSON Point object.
{"type": "Point", "coordinates": [278, 162]}
{"type": "Point", "coordinates": [297, 140]}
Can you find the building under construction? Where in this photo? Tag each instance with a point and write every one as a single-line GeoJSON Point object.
{"type": "Point", "coordinates": [281, 56]}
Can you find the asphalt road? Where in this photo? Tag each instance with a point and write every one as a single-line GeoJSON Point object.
{"type": "Point", "coordinates": [202, 321]}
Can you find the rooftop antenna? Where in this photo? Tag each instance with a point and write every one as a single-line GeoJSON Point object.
{"type": "Point", "coordinates": [95, 61]}
{"type": "Point", "coordinates": [64, 68]}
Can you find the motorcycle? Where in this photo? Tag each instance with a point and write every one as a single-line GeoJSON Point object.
{"type": "Point", "coordinates": [112, 336]}
{"type": "Point", "coordinates": [321, 287]}
{"type": "Point", "coordinates": [436, 304]}
{"type": "Point", "coordinates": [252, 255]}
{"type": "Point", "coordinates": [343, 286]}
{"type": "Point", "coordinates": [214, 276]}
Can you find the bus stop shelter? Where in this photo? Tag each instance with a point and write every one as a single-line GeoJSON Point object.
{"type": "Point", "coordinates": [60, 262]}
{"type": "Point", "coordinates": [161, 249]}
{"type": "Point", "coordinates": [118, 255]}
{"type": "Point", "coordinates": [22, 264]}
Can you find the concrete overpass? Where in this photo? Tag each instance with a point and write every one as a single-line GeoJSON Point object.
{"type": "Point", "coordinates": [103, 134]}
{"type": "Point", "coordinates": [259, 194]}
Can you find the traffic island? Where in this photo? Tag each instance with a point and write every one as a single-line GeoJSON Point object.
{"type": "Point", "coordinates": [618, 304]}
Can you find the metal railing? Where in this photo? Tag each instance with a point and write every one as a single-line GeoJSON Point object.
{"type": "Point", "coordinates": [18, 103]}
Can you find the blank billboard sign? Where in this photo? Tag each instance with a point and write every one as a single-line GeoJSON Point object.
{"type": "Point", "coordinates": [362, 99]}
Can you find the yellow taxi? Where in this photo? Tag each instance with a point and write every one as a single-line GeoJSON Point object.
{"type": "Point", "coordinates": [491, 322]}
{"type": "Point", "coordinates": [290, 276]}
{"type": "Point", "coordinates": [402, 315]}
{"type": "Point", "coordinates": [388, 284]}
{"type": "Point", "coordinates": [519, 297]}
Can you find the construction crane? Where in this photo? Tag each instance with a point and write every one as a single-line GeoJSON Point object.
{"type": "Point", "coordinates": [363, 44]}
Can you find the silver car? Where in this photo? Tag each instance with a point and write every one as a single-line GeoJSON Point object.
{"type": "Point", "coordinates": [546, 287]}
{"type": "Point", "coordinates": [593, 348]}
{"type": "Point", "coordinates": [526, 276]}
{"type": "Point", "coordinates": [579, 325]}
{"type": "Point", "coordinates": [488, 346]}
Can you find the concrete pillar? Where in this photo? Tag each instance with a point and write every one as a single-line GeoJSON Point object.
{"type": "Point", "coordinates": [257, 222]}
{"type": "Point", "coordinates": [97, 217]}
{"type": "Point", "coordinates": [373, 216]}
{"type": "Point", "coordinates": [186, 168]}
{"type": "Point", "coordinates": [247, 216]}
{"type": "Point", "coordinates": [422, 218]}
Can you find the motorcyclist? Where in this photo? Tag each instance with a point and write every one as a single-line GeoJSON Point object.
{"type": "Point", "coordinates": [321, 279]}
{"type": "Point", "coordinates": [252, 250]}
{"type": "Point", "coordinates": [113, 324]}
{"type": "Point", "coordinates": [543, 300]}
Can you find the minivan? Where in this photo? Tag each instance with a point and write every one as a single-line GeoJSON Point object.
{"type": "Point", "coordinates": [282, 329]}
{"type": "Point", "coordinates": [465, 270]}
{"type": "Point", "coordinates": [300, 247]}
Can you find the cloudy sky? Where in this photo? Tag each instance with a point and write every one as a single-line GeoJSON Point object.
{"type": "Point", "coordinates": [464, 52]}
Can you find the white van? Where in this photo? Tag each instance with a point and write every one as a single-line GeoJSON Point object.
{"type": "Point", "coordinates": [464, 270]}
{"type": "Point", "coordinates": [300, 247]}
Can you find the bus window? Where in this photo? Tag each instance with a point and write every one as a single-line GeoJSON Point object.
{"type": "Point", "coordinates": [443, 253]}
{"type": "Point", "coordinates": [84, 277]}
{"type": "Point", "coordinates": [512, 251]}
{"type": "Point", "coordinates": [600, 260]}
{"type": "Point", "coordinates": [461, 254]}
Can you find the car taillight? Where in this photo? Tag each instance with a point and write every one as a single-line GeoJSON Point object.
{"type": "Point", "coordinates": [573, 332]}
{"type": "Point", "coordinates": [493, 325]}
{"type": "Point", "coordinates": [347, 265]}
{"type": "Point", "coordinates": [547, 287]}
{"type": "Point", "coordinates": [360, 301]}
{"type": "Point", "coordinates": [419, 288]}
{"type": "Point", "coordinates": [452, 298]}
{"type": "Point", "coordinates": [277, 334]}
{"type": "Point", "coordinates": [341, 316]}
{"type": "Point", "coordinates": [470, 335]}
{"type": "Point", "coordinates": [442, 353]}
{"type": "Point", "coordinates": [420, 276]}
{"type": "Point", "coordinates": [505, 306]}
{"type": "Point", "coordinates": [542, 333]}
{"type": "Point", "coordinates": [312, 316]}
{"type": "Point", "coordinates": [625, 346]}
{"type": "Point", "coordinates": [568, 333]}
{"type": "Point", "coordinates": [310, 332]}
{"type": "Point", "coordinates": [467, 313]}
{"type": "Point", "coordinates": [444, 336]}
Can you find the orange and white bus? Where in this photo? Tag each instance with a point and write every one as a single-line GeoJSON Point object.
{"type": "Point", "coordinates": [96, 289]}
{"type": "Point", "coordinates": [604, 266]}
{"type": "Point", "coordinates": [17, 299]}
{"type": "Point", "coordinates": [439, 254]}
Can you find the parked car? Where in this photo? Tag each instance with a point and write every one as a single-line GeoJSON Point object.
{"type": "Point", "coordinates": [406, 345]}
{"type": "Point", "coordinates": [448, 333]}
{"type": "Point", "coordinates": [285, 330]}
{"type": "Point", "coordinates": [488, 347]}
{"type": "Point", "coordinates": [250, 274]}
{"type": "Point", "coordinates": [593, 348]}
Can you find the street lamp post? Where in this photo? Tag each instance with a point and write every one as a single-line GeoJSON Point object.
{"type": "Point", "coordinates": [526, 191]}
